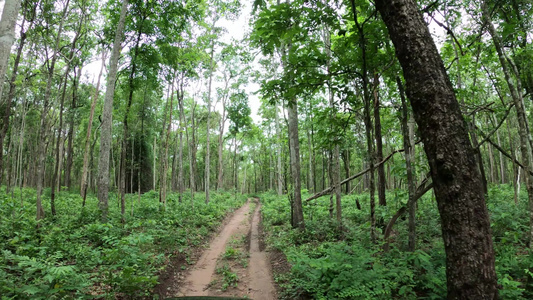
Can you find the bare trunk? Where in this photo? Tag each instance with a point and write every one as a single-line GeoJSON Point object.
{"type": "Point", "coordinates": [5, 49]}
{"type": "Point", "coordinates": [379, 144]}
{"type": "Point", "coordinates": [107, 117]}
{"type": "Point", "coordinates": [7, 35]}
{"type": "Point", "coordinates": [411, 186]}
{"type": "Point", "coordinates": [278, 133]}
{"type": "Point", "coordinates": [298, 217]}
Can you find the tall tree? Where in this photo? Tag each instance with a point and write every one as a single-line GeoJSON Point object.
{"type": "Point", "coordinates": [457, 183]}
{"type": "Point", "coordinates": [7, 38]}
{"type": "Point", "coordinates": [107, 117]}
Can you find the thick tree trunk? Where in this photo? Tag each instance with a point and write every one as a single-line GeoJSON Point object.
{"type": "Point", "coordinates": [457, 183]}
{"type": "Point", "coordinates": [4, 29]}
{"type": "Point", "coordinates": [298, 217]}
{"type": "Point", "coordinates": [107, 117]}
{"type": "Point", "coordinates": [7, 35]}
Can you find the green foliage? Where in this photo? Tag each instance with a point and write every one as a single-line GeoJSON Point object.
{"type": "Point", "coordinates": [229, 278]}
{"type": "Point", "coordinates": [74, 255]}
{"type": "Point", "coordinates": [328, 264]}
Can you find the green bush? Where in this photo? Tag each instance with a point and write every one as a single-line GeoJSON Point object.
{"type": "Point", "coordinates": [74, 255]}
{"type": "Point", "coordinates": [328, 264]}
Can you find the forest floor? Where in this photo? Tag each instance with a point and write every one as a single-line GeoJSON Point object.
{"type": "Point", "coordinates": [233, 265]}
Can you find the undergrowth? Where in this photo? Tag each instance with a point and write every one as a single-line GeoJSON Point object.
{"type": "Point", "coordinates": [332, 263]}
{"type": "Point", "coordinates": [74, 255]}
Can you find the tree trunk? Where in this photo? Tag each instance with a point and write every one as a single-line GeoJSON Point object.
{"type": "Point", "coordinates": [516, 93]}
{"type": "Point", "coordinates": [7, 33]}
{"type": "Point", "coordinates": [298, 217]}
{"type": "Point", "coordinates": [163, 180]}
{"type": "Point", "coordinates": [70, 149]}
{"type": "Point", "coordinates": [107, 117]}
{"type": "Point", "coordinates": [411, 188]}
{"type": "Point", "coordinates": [367, 121]}
{"type": "Point", "coordinates": [57, 176]}
{"type": "Point", "coordinates": [181, 183]}
{"type": "Point", "coordinates": [220, 180]}
{"type": "Point", "coordinates": [379, 144]}
{"type": "Point", "coordinates": [457, 183]}
{"type": "Point", "coordinates": [44, 122]}
{"type": "Point", "coordinates": [208, 143]}
{"type": "Point", "coordinates": [279, 145]}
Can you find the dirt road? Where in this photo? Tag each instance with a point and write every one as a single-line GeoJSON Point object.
{"type": "Point", "coordinates": [233, 265]}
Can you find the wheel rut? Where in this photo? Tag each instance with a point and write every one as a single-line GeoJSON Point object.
{"type": "Point", "coordinates": [233, 265]}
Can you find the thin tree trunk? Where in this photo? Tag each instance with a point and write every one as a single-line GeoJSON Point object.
{"type": "Point", "coordinates": [56, 176]}
{"type": "Point", "coordinates": [278, 133]}
{"type": "Point", "coordinates": [107, 117]}
{"type": "Point", "coordinates": [208, 135]}
{"type": "Point", "coordinates": [44, 122]}
{"type": "Point", "coordinates": [83, 185]}
{"type": "Point", "coordinates": [163, 180]}
{"type": "Point", "coordinates": [367, 121]}
{"type": "Point", "coordinates": [379, 143]}
{"type": "Point", "coordinates": [516, 93]}
{"type": "Point", "coordinates": [502, 163]}
{"type": "Point", "coordinates": [70, 149]}
{"type": "Point", "coordinates": [411, 188]}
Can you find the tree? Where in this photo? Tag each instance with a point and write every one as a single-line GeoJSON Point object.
{"type": "Point", "coordinates": [457, 183]}
{"type": "Point", "coordinates": [107, 117]}
{"type": "Point", "coordinates": [7, 38]}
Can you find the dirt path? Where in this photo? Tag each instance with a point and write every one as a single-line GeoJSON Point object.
{"type": "Point", "coordinates": [261, 285]}
{"type": "Point", "coordinates": [231, 266]}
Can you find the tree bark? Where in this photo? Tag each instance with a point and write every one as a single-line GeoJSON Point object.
{"type": "Point", "coordinates": [208, 141]}
{"type": "Point", "coordinates": [457, 183]}
{"type": "Point", "coordinates": [107, 117]}
{"type": "Point", "coordinates": [278, 133]}
{"type": "Point", "coordinates": [298, 217]}
{"type": "Point", "coordinates": [411, 188]}
{"type": "Point", "coordinates": [7, 35]}
{"type": "Point", "coordinates": [379, 144]}
{"type": "Point", "coordinates": [220, 177]}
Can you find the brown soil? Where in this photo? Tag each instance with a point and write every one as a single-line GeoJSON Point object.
{"type": "Point", "coordinates": [235, 251]}
{"type": "Point", "coordinates": [171, 279]}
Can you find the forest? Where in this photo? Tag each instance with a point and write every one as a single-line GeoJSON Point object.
{"type": "Point", "coordinates": [309, 149]}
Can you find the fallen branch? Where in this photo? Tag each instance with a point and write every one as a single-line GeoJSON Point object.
{"type": "Point", "coordinates": [330, 189]}
{"type": "Point", "coordinates": [421, 190]}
